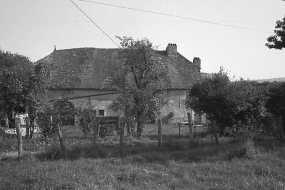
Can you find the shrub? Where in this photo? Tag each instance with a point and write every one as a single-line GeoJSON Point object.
{"type": "Point", "coordinates": [244, 150]}
{"type": "Point", "coordinates": [44, 120]}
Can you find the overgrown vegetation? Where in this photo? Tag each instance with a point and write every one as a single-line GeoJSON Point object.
{"type": "Point", "coordinates": [233, 164]}
{"type": "Point", "coordinates": [239, 106]}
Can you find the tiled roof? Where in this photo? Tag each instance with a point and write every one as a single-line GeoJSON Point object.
{"type": "Point", "coordinates": [83, 68]}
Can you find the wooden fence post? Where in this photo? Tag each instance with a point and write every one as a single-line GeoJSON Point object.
{"type": "Point", "coordinates": [215, 132]}
{"type": "Point", "coordinates": [19, 138]}
{"type": "Point", "coordinates": [60, 136]}
{"type": "Point", "coordinates": [179, 126]}
{"type": "Point", "coordinates": [190, 126]}
{"type": "Point", "coordinates": [159, 132]}
{"type": "Point", "coordinates": [98, 128]}
{"type": "Point", "coordinates": [122, 126]}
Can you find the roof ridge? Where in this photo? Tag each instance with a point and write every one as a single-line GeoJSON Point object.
{"type": "Point", "coordinates": [86, 48]}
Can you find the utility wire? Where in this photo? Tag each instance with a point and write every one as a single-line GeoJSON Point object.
{"type": "Point", "coordinates": [95, 24]}
{"type": "Point", "coordinates": [176, 16]}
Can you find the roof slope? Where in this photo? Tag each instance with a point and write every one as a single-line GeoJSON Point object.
{"type": "Point", "coordinates": [83, 68]}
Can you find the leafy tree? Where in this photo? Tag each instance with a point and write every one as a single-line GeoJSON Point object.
{"type": "Point", "coordinates": [14, 76]}
{"type": "Point", "coordinates": [139, 74]}
{"type": "Point", "coordinates": [248, 100]}
{"type": "Point", "coordinates": [37, 85]}
{"type": "Point", "coordinates": [226, 102]}
{"type": "Point", "coordinates": [277, 41]}
{"type": "Point", "coordinates": [208, 96]}
{"type": "Point", "coordinates": [23, 85]}
{"type": "Point", "coordinates": [44, 115]}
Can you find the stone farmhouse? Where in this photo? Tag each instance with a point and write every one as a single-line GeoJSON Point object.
{"type": "Point", "coordinates": [78, 75]}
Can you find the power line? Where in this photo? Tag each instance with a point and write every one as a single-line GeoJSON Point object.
{"type": "Point", "coordinates": [95, 23]}
{"type": "Point", "coordinates": [176, 16]}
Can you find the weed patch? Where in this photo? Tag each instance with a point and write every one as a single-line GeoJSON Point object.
{"type": "Point", "coordinates": [178, 165]}
{"type": "Point", "coordinates": [73, 153]}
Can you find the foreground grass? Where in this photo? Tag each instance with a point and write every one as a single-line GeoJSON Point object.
{"type": "Point", "coordinates": [176, 165]}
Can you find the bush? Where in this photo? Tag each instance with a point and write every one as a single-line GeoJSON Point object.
{"type": "Point", "coordinates": [85, 116]}
{"type": "Point", "coordinates": [44, 121]}
{"type": "Point", "coordinates": [244, 150]}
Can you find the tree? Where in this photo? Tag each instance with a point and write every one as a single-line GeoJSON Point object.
{"type": "Point", "coordinates": [139, 74]}
{"type": "Point", "coordinates": [226, 102]}
{"type": "Point", "coordinates": [277, 41]}
{"type": "Point", "coordinates": [209, 96]}
{"type": "Point", "coordinates": [14, 76]}
{"type": "Point", "coordinates": [36, 87]}
{"type": "Point", "coordinates": [22, 87]}
{"type": "Point", "coordinates": [62, 111]}
{"type": "Point", "coordinates": [249, 100]}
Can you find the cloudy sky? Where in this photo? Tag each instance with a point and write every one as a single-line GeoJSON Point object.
{"type": "Point", "coordinates": [33, 27]}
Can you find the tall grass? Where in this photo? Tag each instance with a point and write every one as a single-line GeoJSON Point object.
{"type": "Point", "coordinates": [178, 164]}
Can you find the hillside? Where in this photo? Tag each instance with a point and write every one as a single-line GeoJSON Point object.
{"type": "Point", "coordinates": [281, 79]}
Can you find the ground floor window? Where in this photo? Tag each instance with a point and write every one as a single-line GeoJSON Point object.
{"type": "Point", "coordinates": [101, 113]}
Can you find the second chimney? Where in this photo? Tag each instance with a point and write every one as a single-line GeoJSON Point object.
{"type": "Point", "coordinates": [197, 62]}
{"type": "Point", "coordinates": [171, 50]}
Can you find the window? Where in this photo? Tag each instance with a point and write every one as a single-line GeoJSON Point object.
{"type": "Point", "coordinates": [186, 93]}
{"type": "Point", "coordinates": [101, 112]}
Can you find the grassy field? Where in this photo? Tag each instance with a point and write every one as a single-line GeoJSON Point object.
{"type": "Point", "coordinates": [178, 164]}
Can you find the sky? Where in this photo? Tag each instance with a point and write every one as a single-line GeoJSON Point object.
{"type": "Point", "coordinates": [33, 27]}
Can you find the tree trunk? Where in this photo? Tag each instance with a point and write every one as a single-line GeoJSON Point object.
{"type": "Point", "coordinates": [95, 132]}
{"type": "Point", "coordinates": [215, 132]}
{"type": "Point", "coordinates": [32, 126]}
{"type": "Point", "coordinates": [159, 132]}
{"type": "Point", "coordinates": [60, 138]}
{"type": "Point", "coordinates": [11, 119]}
{"type": "Point", "coordinates": [27, 128]}
{"type": "Point", "coordinates": [19, 139]}
{"type": "Point", "coordinates": [122, 126]}
{"type": "Point", "coordinates": [129, 131]}
{"type": "Point", "coordinates": [139, 124]}
{"type": "Point", "coordinates": [190, 126]}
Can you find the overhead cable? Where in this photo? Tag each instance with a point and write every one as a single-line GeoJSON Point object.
{"type": "Point", "coordinates": [94, 23]}
{"type": "Point", "coordinates": [176, 16]}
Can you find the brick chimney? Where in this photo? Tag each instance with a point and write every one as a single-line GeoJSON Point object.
{"type": "Point", "coordinates": [171, 50]}
{"type": "Point", "coordinates": [197, 62]}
